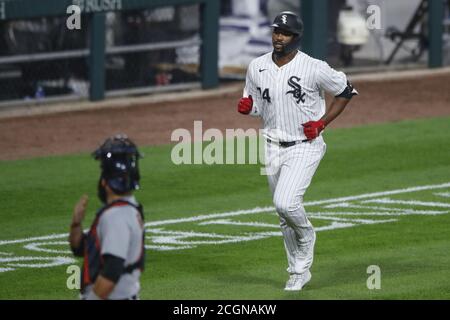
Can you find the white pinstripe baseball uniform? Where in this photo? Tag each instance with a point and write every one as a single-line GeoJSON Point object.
{"type": "Point", "coordinates": [285, 97]}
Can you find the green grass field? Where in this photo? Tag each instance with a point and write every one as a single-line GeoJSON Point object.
{"type": "Point", "coordinates": [241, 255]}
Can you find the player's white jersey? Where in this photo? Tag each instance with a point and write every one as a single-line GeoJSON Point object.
{"type": "Point", "coordinates": [285, 97]}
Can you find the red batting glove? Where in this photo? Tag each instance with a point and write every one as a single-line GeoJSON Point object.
{"type": "Point", "coordinates": [245, 105]}
{"type": "Point", "coordinates": [312, 129]}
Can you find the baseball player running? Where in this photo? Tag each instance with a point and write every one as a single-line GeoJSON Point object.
{"type": "Point", "coordinates": [286, 89]}
{"type": "Point", "coordinates": [113, 249]}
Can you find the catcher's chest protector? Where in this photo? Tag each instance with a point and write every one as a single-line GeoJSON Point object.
{"type": "Point", "coordinates": [93, 261]}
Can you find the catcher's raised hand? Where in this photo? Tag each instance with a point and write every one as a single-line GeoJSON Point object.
{"type": "Point", "coordinates": [80, 210]}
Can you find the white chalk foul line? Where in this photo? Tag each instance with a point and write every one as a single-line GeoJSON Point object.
{"type": "Point", "coordinates": [180, 237]}
{"type": "Point", "coordinates": [239, 223]}
{"type": "Point", "coordinates": [53, 261]}
{"type": "Point", "coordinates": [367, 213]}
{"type": "Point", "coordinates": [210, 216]}
{"type": "Point", "coordinates": [49, 237]}
{"type": "Point", "coordinates": [404, 211]}
{"type": "Point", "coordinates": [442, 194]}
{"type": "Point", "coordinates": [335, 225]}
{"type": "Point", "coordinates": [38, 247]}
{"type": "Point", "coordinates": [174, 240]}
{"type": "Point", "coordinates": [308, 203]}
{"type": "Point", "coordinates": [379, 194]}
{"type": "Point", "coordinates": [167, 248]}
{"type": "Point", "coordinates": [362, 221]}
{"type": "Point", "coordinates": [409, 202]}
{"type": "Point", "coordinates": [249, 211]}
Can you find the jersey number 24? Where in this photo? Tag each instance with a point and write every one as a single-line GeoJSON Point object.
{"type": "Point", "coordinates": [265, 94]}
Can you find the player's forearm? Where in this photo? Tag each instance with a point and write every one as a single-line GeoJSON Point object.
{"type": "Point", "coordinates": [76, 230]}
{"type": "Point", "coordinates": [337, 106]}
{"type": "Point", "coordinates": [75, 235]}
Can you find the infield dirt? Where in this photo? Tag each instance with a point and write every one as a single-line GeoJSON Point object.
{"type": "Point", "coordinates": [152, 124]}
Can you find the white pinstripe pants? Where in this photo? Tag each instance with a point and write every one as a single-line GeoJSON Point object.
{"type": "Point", "coordinates": [291, 171]}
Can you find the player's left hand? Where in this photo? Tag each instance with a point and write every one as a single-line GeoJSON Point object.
{"type": "Point", "coordinates": [312, 129]}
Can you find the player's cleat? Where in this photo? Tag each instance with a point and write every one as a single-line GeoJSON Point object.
{"type": "Point", "coordinates": [297, 281]}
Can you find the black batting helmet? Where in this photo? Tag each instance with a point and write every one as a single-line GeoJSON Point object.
{"type": "Point", "coordinates": [118, 157]}
{"type": "Point", "coordinates": [289, 21]}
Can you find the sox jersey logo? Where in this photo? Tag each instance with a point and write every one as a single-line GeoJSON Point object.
{"type": "Point", "coordinates": [293, 82]}
{"type": "Point", "coordinates": [291, 95]}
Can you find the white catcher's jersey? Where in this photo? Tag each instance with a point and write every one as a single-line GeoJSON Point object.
{"type": "Point", "coordinates": [291, 95]}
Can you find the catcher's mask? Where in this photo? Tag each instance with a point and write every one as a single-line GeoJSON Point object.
{"type": "Point", "coordinates": [290, 22]}
{"type": "Point", "coordinates": [118, 157]}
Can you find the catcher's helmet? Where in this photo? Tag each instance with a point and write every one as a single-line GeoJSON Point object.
{"type": "Point", "coordinates": [119, 164]}
{"type": "Point", "coordinates": [289, 21]}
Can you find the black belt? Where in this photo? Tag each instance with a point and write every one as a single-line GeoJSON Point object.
{"type": "Point", "coordinates": [287, 144]}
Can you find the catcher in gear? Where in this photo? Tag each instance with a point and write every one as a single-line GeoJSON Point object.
{"type": "Point", "coordinates": [113, 249]}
